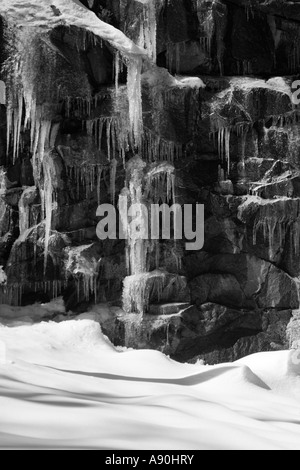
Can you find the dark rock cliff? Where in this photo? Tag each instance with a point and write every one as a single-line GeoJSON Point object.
{"type": "Point", "coordinates": [235, 148]}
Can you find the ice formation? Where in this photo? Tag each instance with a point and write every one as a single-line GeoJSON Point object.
{"type": "Point", "coordinates": [48, 202]}
{"type": "Point", "coordinates": [224, 145]}
{"type": "Point", "coordinates": [113, 174]}
{"type": "Point", "coordinates": [155, 148]}
{"type": "Point", "coordinates": [24, 209]}
{"type": "Point", "coordinates": [84, 271]}
{"type": "Point", "coordinates": [294, 58]}
{"type": "Point", "coordinates": [160, 184]}
{"type": "Point", "coordinates": [2, 93]}
{"type": "Point", "coordinates": [174, 53]}
{"type": "Point", "coordinates": [2, 194]}
{"type": "Point", "coordinates": [72, 13]}
{"type": "Point", "coordinates": [139, 289]}
{"type": "Point", "coordinates": [32, 105]}
{"type": "Point", "coordinates": [112, 131]}
{"type": "Point", "coordinates": [87, 177]}
{"type": "Point", "coordinates": [274, 224]}
{"type": "Point", "coordinates": [206, 19]}
{"type": "Point", "coordinates": [135, 98]}
{"type": "Point", "coordinates": [148, 25]}
{"type": "Point", "coordinates": [12, 294]}
{"type": "Point", "coordinates": [146, 184]}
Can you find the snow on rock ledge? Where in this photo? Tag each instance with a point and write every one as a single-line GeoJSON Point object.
{"type": "Point", "coordinates": [39, 13]}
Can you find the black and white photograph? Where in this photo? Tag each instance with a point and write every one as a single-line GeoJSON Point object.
{"type": "Point", "coordinates": [149, 227]}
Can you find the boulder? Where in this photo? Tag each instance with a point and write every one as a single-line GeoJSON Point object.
{"type": "Point", "coordinates": [241, 281]}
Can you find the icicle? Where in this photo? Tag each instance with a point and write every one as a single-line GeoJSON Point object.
{"type": "Point", "coordinates": [17, 128]}
{"type": "Point", "coordinates": [227, 147]}
{"type": "Point", "coordinates": [3, 205]}
{"type": "Point", "coordinates": [224, 145]}
{"type": "Point", "coordinates": [24, 210]}
{"type": "Point", "coordinates": [99, 175]}
{"type": "Point", "coordinates": [9, 118]}
{"type": "Point", "coordinates": [135, 98]}
{"type": "Point", "coordinates": [117, 70]}
{"type": "Point", "coordinates": [47, 199]}
{"type": "Point", "coordinates": [113, 172]}
{"type": "Point", "coordinates": [148, 29]}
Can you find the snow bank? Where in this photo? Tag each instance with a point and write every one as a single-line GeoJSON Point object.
{"type": "Point", "coordinates": [65, 386]}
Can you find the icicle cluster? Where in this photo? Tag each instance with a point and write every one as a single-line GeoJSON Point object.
{"type": "Point", "coordinates": [244, 67]}
{"type": "Point", "coordinates": [79, 107]}
{"type": "Point", "coordinates": [84, 270]}
{"type": "Point", "coordinates": [12, 294]}
{"type": "Point", "coordinates": [274, 224]}
{"type": "Point", "coordinates": [160, 184]}
{"type": "Point", "coordinates": [86, 176]}
{"type": "Point", "coordinates": [112, 131]}
{"type": "Point", "coordinates": [206, 19]}
{"type": "Point", "coordinates": [205, 44]}
{"type": "Point", "coordinates": [294, 56]}
{"type": "Point", "coordinates": [224, 145]}
{"type": "Point", "coordinates": [156, 149]}
{"type": "Point", "coordinates": [148, 26]}
{"type": "Point", "coordinates": [134, 88]}
{"type": "Point", "coordinates": [26, 88]}
{"type": "Point", "coordinates": [2, 193]}
{"type": "Point", "coordinates": [174, 54]}
{"type": "Point", "coordinates": [139, 288]}
{"type": "Point", "coordinates": [145, 185]}
{"type": "Point", "coordinates": [24, 210]}
{"type": "Point", "coordinates": [223, 139]}
{"type": "Point", "coordinates": [88, 284]}
{"type": "Point", "coordinates": [48, 202]}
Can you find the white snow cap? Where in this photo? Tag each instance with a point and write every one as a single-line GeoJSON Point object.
{"type": "Point", "coordinates": [3, 277]}
{"type": "Point", "coordinates": [49, 15]}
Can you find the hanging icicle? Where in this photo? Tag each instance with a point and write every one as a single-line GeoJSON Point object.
{"type": "Point", "coordinates": [111, 134]}
{"type": "Point", "coordinates": [224, 145]}
{"type": "Point", "coordinates": [113, 173]}
{"type": "Point", "coordinates": [156, 149]}
{"type": "Point", "coordinates": [148, 27]}
{"type": "Point", "coordinates": [48, 202]}
{"type": "Point", "coordinates": [134, 90]}
{"type": "Point", "coordinates": [174, 54]}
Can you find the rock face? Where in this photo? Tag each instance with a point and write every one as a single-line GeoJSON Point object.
{"type": "Point", "coordinates": [230, 130]}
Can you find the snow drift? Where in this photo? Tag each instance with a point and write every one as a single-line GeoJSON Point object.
{"type": "Point", "coordinates": [63, 385]}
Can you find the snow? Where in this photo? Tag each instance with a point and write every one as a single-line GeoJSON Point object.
{"type": "Point", "coordinates": [64, 386]}
{"type": "Point", "coordinates": [160, 78]}
{"type": "Point", "coordinates": [3, 277]}
{"type": "Point", "coordinates": [40, 13]}
{"type": "Point", "coordinates": [278, 84]}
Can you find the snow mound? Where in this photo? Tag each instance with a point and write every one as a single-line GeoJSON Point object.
{"type": "Point", "coordinates": [64, 386]}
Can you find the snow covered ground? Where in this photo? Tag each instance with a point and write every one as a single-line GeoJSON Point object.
{"type": "Point", "coordinates": [63, 385]}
